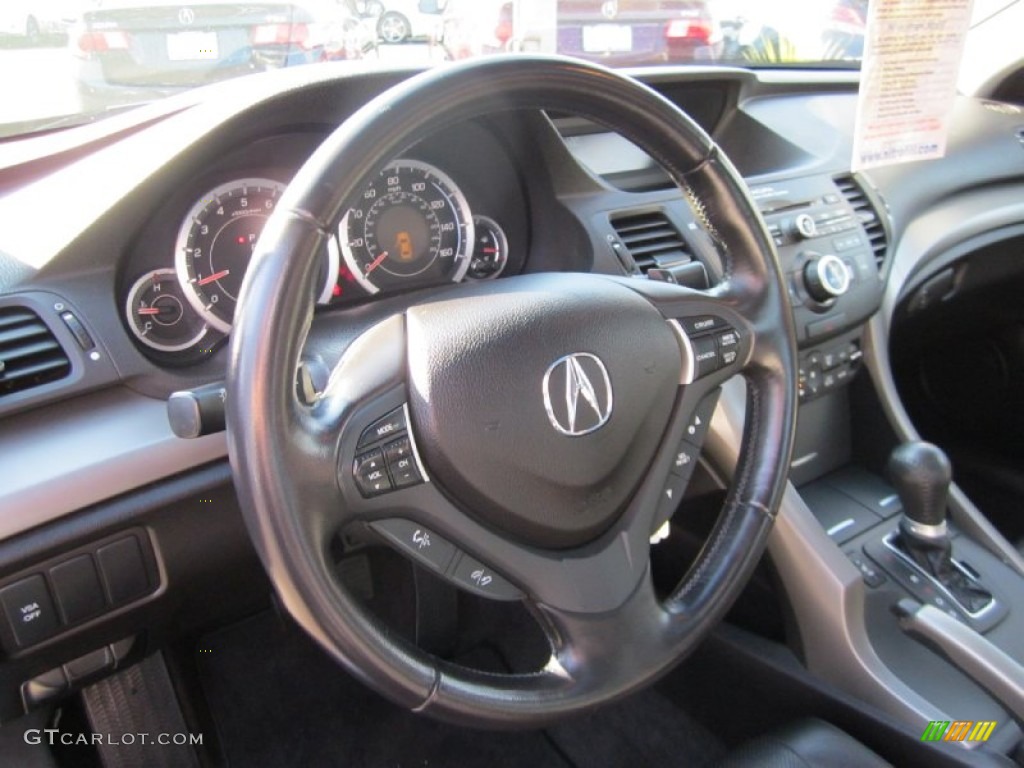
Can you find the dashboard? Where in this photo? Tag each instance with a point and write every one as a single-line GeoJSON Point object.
{"type": "Point", "coordinates": [129, 293]}
{"type": "Point", "coordinates": [414, 226]}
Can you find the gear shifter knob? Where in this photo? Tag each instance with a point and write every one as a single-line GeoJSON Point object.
{"type": "Point", "coordinates": [921, 475]}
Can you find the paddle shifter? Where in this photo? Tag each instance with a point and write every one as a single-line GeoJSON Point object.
{"type": "Point", "coordinates": [921, 475]}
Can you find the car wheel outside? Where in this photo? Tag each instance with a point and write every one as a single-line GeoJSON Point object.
{"type": "Point", "coordinates": [393, 27]}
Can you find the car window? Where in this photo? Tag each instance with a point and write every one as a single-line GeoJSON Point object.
{"type": "Point", "coordinates": [64, 62]}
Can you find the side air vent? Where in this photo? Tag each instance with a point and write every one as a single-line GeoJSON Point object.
{"type": "Point", "coordinates": [651, 240]}
{"type": "Point", "coordinates": [869, 217]}
{"type": "Point", "coordinates": [29, 354]}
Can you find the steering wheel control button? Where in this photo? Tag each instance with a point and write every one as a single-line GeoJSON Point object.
{"type": "Point", "coordinates": [473, 576]}
{"type": "Point", "coordinates": [401, 463]}
{"type": "Point", "coordinates": [698, 326]}
{"type": "Point", "coordinates": [370, 474]}
{"type": "Point", "coordinates": [707, 356]}
{"type": "Point", "coordinates": [383, 428]}
{"type": "Point", "coordinates": [78, 589]}
{"type": "Point", "coordinates": [29, 610]}
{"type": "Point", "coordinates": [421, 543]}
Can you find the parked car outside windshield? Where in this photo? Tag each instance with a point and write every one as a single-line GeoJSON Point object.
{"type": "Point", "coordinates": [114, 54]}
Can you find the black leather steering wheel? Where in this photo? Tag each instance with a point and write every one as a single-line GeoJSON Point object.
{"type": "Point", "coordinates": [545, 414]}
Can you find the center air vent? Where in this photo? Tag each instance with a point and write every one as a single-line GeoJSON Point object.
{"type": "Point", "coordinates": [29, 354]}
{"type": "Point", "coordinates": [651, 240]}
{"type": "Point", "coordinates": [868, 216]}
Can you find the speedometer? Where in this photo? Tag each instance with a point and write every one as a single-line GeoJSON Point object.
{"type": "Point", "coordinates": [411, 225]}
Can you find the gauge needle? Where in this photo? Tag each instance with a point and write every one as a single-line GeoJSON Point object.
{"type": "Point", "coordinates": [149, 310]}
{"type": "Point", "coordinates": [215, 276]}
{"type": "Point", "coordinates": [375, 263]}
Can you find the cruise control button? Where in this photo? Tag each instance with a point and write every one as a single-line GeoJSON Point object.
{"type": "Point", "coordinates": [701, 418]}
{"type": "Point", "coordinates": [675, 487]}
{"type": "Point", "coordinates": [421, 543]}
{"type": "Point", "coordinates": [476, 577]}
{"type": "Point", "coordinates": [705, 353]}
{"type": "Point", "coordinates": [383, 428]}
{"type": "Point", "coordinates": [727, 339]}
{"type": "Point", "coordinates": [29, 610]}
{"type": "Point", "coordinates": [370, 475]}
{"type": "Point", "coordinates": [695, 326]}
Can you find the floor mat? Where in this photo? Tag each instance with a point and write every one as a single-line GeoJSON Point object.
{"type": "Point", "coordinates": [279, 701]}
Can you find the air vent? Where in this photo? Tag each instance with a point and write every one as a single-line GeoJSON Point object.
{"type": "Point", "coordinates": [651, 240]}
{"type": "Point", "coordinates": [869, 217]}
{"type": "Point", "coordinates": [29, 354]}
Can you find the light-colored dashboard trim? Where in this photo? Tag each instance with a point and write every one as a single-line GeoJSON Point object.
{"type": "Point", "coordinates": [60, 459]}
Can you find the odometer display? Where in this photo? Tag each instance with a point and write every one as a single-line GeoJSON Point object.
{"type": "Point", "coordinates": [411, 225]}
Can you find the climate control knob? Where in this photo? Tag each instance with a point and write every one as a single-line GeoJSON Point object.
{"type": "Point", "coordinates": [826, 277]}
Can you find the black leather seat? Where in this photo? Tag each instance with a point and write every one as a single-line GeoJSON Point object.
{"type": "Point", "coordinates": [806, 743]}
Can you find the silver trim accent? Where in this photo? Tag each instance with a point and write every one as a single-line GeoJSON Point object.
{"type": "Point", "coordinates": [412, 442]}
{"type": "Point", "coordinates": [841, 526]}
{"type": "Point", "coordinates": [578, 383]}
{"type": "Point", "coordinates": [108, 443]}
{"type": "Point", "coordinates": [820, 267]}
{"type": "Point", "coordinates": [924, 529]}
{"type": "Point", "coordinates": [689, 369]}
{"type": "Point", "coordinates": [888, 542]}
{"type": "Point", "coordinates": [797, 463]}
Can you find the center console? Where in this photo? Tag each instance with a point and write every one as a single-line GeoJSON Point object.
{"type": "Point", "coordinates": [892, 602]}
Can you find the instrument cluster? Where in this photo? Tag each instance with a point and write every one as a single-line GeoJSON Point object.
{"type": "Point", "coordinates": [411, 227]}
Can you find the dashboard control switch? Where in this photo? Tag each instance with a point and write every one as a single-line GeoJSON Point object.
{"type": "Point", "coordinates": [90, 664]}
{"type": "Point", "coordinates": [29, 610]}
{"type": "Point", "coordinates": [474, 576]}
{"type": "Point", "coordinates": [421, 543]}
{"type": "Point", "coordinates": [383, 428]}
{"type": "Point", "coordinates": [706, 355]}
{"type": "Point", "coordinates": [401, 463]}
{"type": "Point", "coordinates": [370, 474]}
{"type": "Point", "coordinates": [196, 412]}
{"type": "Point", "coordinates": [123, 569]}
{"type": "Point", "coordinates": [77, 588]}
{"type": "Point", "coordinates": [78, 330]}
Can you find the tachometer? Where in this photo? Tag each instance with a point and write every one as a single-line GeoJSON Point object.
{"type": "Point", "coordinates": [412, 225]}
{"type": "Point", "coordinates": [216, 241]}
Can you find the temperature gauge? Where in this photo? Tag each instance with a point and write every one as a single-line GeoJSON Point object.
{"type": "Point", "coordinates": [490, 250]}
{"type": "Point", "coordinates": [159, 314]}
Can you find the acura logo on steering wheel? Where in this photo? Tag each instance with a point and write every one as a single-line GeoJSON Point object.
{"type": "Point", "coordinates": [578, 394]}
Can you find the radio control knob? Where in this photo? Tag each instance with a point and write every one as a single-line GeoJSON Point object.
{"type": "Point", "coordinates": [805, 227]}
{"type": "Point", "coordinates": [826, 277]}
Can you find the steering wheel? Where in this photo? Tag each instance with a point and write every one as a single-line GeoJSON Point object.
{"type": "Point", "coordinates": [530, 431]}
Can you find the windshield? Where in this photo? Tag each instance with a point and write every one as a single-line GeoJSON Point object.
{"type": "Point", "coordinates": [68, 61]}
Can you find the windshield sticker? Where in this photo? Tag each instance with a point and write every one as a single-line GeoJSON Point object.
{"type": "Point", "coordinates": [908, 80]}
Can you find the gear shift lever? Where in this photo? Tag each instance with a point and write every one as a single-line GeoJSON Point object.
{"type": "Point", "coordinates": [921, 474]}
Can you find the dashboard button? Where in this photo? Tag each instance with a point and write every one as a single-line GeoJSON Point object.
{"type": "Point", "coordinates": [370, 474]}
{"type": "Point", "coordinates": [383, 428]}
{"type": "Point", "coordinates": [123, 570]}
{"type": "Point", "coordinates": [29, 610]}
{"type": "Point", "coordinates": [421, 543]}
{"type": "Point", "coordinates": [472, 575]}
{"type": "Point", "coordinates": [78, 590]}
{"type": "Point", "coordinates": [401, 463]}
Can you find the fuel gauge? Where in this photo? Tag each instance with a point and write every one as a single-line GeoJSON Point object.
{"type": "Point", "coordinates": [159, 314]}
{"type": "Point", "coordinates": [490, 251]}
